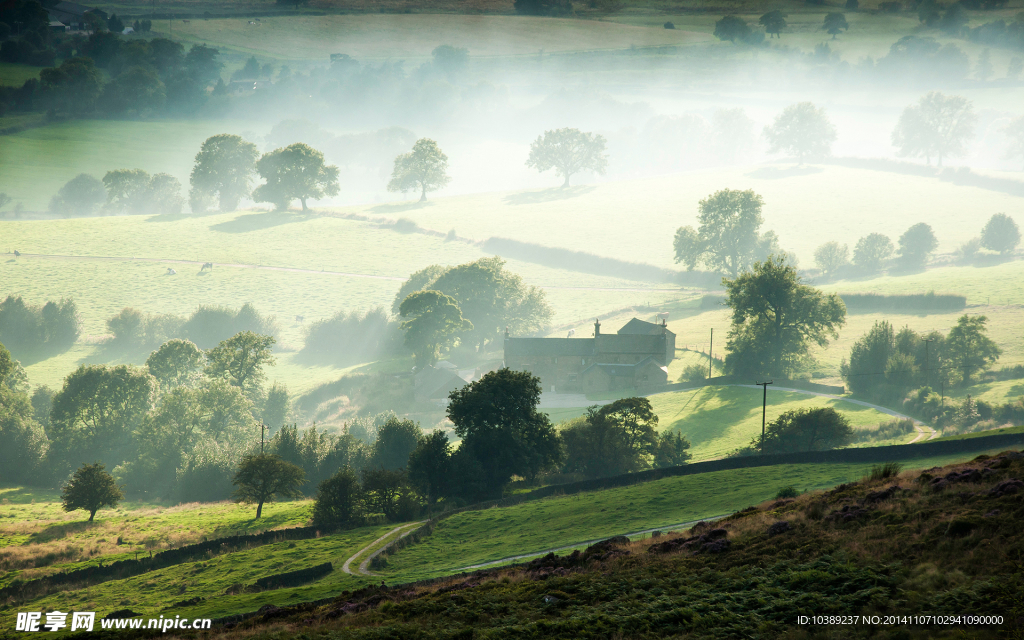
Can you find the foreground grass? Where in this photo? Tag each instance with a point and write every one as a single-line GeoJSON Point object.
{"type": "Point", "coordinates": [485, 536]}
{"type": "Point", "coordinates": [38, 537]}
{"type": "Point", "coordinates": [913, 550]}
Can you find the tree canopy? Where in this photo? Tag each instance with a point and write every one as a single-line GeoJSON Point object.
{"type": "Point", "coordinates": [1000, 234]}
{"type": "Point", "coordinates": [968, 347]}
{"type": "Point", "coordinates": [262, 478]}
{"type": "Point", "coordinates": [803, 130]}
{"type": "Point", "coordinates": [727, 239]}
{"type": "Point", "coordinates": [937, 126]}
{"type": "Point", "coordinates": [297, 171]}
{"type": "Point", "coordinates": [90, 488]}
{"type": "Point", "coordinates": [424, 168]}
{"type": "Point", "coordinates": [872, 251]}
{"type": "Point", "coordinates": [224, 168]}
{"type": "Point", "coordinates": [434, 324]}
{"type": "Point", "coordinates": [916, 244]}
{"type": "Point", "coordinates": [773, 22]}
{"type": "Point", "coordinates": [835, 23]}
{"type": "Point", "coordinates": [831, 256]}
{"type": "Point", "coordinates": [501, 429]}
{"type": "Point", "coordinates": [732, 28]}
{"type": "Point", "coordinates": [775, 318]}
{"type": "Point", "coordinates": [241, 359]}
{"type": "Point", "coordinates": [568, 151]}
{"type": "Point", "coordinates": [818, 429]}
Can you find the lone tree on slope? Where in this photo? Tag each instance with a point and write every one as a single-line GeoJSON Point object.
{"type": "Point", "coordinates": [568, 151]}
{"type": "Point", "coordinates": [834, 23]}
{"type": "Point", "coordinates": [773, 22]}
{"type": "Point", "coordinates": [91, 488]}
{"type": "Point", "coordinates": [262, 478]}
{"type": "Point", "coordinates": [424, 168]}
{"type": "Point", "coordinates": [296, 171]}
{"type": "Point", "coordinates": [1000, 234]}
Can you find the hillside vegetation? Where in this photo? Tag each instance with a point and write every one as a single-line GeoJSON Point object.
{"type": "Point", "coordinates": [942, 542]}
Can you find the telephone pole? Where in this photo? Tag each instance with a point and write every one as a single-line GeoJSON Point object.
{"type": "Point", "coordinates": [927, 343]}
{"type": "Point", "coordinates": [263, 428]}
{"type": "Point", "coordinates": [764, 409]}
{"type": "Point", "coordinates": [711, 349]}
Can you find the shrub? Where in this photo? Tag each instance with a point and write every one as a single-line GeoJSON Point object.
{"type": "Point", "coordinates": [694, 373]}
{"type": "Point", "coordinates": [339, 501]}
{"type": "Point", "coordinates": [885, 471]}
{"type": "Point", "coordinates": [786, 492]}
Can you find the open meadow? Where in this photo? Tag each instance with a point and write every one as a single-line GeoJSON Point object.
{"type": "Point", "coordinates": [209, 587]}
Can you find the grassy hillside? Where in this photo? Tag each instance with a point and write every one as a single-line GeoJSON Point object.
{"type": "Point", "coordinates": [895, 546]}
{"type": "Point", "coordinates": [467, 538]}
{"type": "Point", "coordinates": [15, 75]}
{"type": "Point", "coordinates": [719, 420]}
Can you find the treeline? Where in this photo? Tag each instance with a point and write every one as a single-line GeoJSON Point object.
{"type": "Point", "coordinates": [351, 337]}
{"type": "Point", "coordinates": [174, 428]}
{"type": "Point", "coordinates": [30, 331]}
{"type": "Point", "coordinates": [206, 326]}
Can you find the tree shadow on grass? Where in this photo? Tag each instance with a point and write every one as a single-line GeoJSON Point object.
{"type": "Point", "coordinates": [267, 521]}
{"type": "Point", "coordinates": [778, 173]}
{"type": "Point", "coordinates": [169, 217]}
{"type": "Point", "coordinates": [548, 195]}
{"type": "Point", "coordinates": [1016, 390]}
{"type": "Point", "coordinates": [401, 206]}
{"type": "Point", "coordinates": [59, 531]}
{"type": "Point", "coordinates": [259, 221]}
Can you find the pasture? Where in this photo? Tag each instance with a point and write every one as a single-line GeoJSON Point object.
{"type": "Point", "coordinates": [14, 75]}
{"type": "Point", "coordinates": [719, 420]}
{"type": "Point", "coordinates": [460, 540]}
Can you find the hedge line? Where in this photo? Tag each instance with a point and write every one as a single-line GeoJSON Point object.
{"type": "Point", "coordinates": [294, 578]}
{"type": "Point", "coordinates": [871, 302]}
{"type": "Point", "coordinates": [732, 380]}
{"type": "Point", "coordinates": [128, 568]}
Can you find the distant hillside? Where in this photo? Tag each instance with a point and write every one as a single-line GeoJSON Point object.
{"type": "Point", "coordinates": [935, 548]}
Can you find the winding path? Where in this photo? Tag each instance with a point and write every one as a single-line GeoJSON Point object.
{"type": "Point", "coordinates": [363, 568]}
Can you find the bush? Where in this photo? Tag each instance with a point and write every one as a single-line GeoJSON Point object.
{"type": "Point", "coordinates": [350, 338]}
{"type": "Point", "coordinates": [26, 329]}
{"type": "Point", "coordinates": [786, 492]}
{"type": "Point", "coordinates": [885, 471]}
{"type": "Point", "coordinates": [339, 501]}
{"type": "Point", "coordinates": [209, 326]}
{"type": "Point", "coordinates": [694, 373]}
{"type": "Point", "coordinates": [80, 196]}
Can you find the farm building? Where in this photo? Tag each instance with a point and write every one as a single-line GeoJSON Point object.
{"type": "Point", "coordinates": [70, 14]}
{"type": "Point", "coordinates": [636, 357]}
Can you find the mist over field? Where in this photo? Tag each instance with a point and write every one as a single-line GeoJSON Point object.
{"type": "Point", "coordinates": [306, 299]}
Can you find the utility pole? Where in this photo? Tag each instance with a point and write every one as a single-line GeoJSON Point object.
{"type": "Point", "coordinates": [263, 428]}
{"type": "Point", "coordinates": [927, 343]}
{"type": "Point", "coordinates": [710, 351]}
{"type": "Point", "coordinates": [764, 409]}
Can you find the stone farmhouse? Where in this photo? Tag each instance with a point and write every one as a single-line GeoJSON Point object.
{"type": "Point", "coordinates": [636, 357]}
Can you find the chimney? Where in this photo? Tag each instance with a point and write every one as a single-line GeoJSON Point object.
{"type": "Point", "coordinates": [597, 327]}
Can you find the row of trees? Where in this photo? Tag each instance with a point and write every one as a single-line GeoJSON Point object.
{"type": "Point", "coordinates": [170, 428]}
{"type": "Point", "coordinates": [735, 29]}
{"type": "Point", "coordinates": [875, 250]}
{"type": "Point", "coordinates": [887, 363]}
{"type": "Point", "coordinates": [31, 331]}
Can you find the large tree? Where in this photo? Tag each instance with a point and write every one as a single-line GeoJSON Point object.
{"type": "Point", "coordinates": [620, 437]}
{"type": "Point", "coordinates": [96, 413]}
{"type": "Point", "coordinates": [72, 88]}
{"type": "Point", "coordinates": [727, 239]}
{"type": "Point", "coordinates": [296, 171]}
{"type": "Point", "coordinates": [177, 362]}
{"type": "Point", "coordinates": [434, 322]}
{"type": "Point", "coordinates": [339, 501]}
{"type": "Point", "coordinates": [396, 439]}
{"type": "Point", "coordinates": [803, 130]}
{"type": "Point", "coordinates": [502, 431]}
{"type": "Point", "coordinates": [834, 23]}
{"type": "Point", "coordinates": [1000, 234]}
{"type": "Point", "coordinates": [773, 22]}
{"type": "Point", "coordinates": [568, 151]}
{"type": "Point", "coordinates": [732, 28]}
{"type": "Point", "coordinates": [872, 251]}
{"type": "Point", "coordinates": [241, 359]}
{"type": "Point", "coordinates": [264, 477]}
{"type": "Point", "coordinates": [776, 318]}
{"type": "Point", "coordinates": [937, 126]}
{"type": "Point", "coordinates": [831, 256]}
{"type": "Point", "coordinates": [224, 168]}
{"type": "Point", "coordinates": [968, 347]}
{"type": "Point", "coordinates": [430, 466]}
{"type": "Point", "coordinates": [424, 168]}
{"type": "Point", "coordinates": [489, 296]}
{"type": "Point", "coordinates": [80, 196]}
{"type": "Point", "coordinates": [90, 488]}
{"type": "Point", "coordinates": [916, 244]}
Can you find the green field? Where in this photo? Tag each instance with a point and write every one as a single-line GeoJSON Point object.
{"type": "Point", "coordinates": [464, 539]}
{"type": "Point", "coordinates": [719, 420]}
{"type": "Point", "coordinates": [15, 75]}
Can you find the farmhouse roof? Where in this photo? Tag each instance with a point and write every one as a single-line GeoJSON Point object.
{"type": "Point", "coordinates": [625, 370]}
{"type": "Point", "coordinates": [73, 8]}
{"type": "Point", "coordinates": [549, 347]}
{"type": "Point", "coordinates": [631, 343]}
{"type": "Point", "coordinates": [637, 326]}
